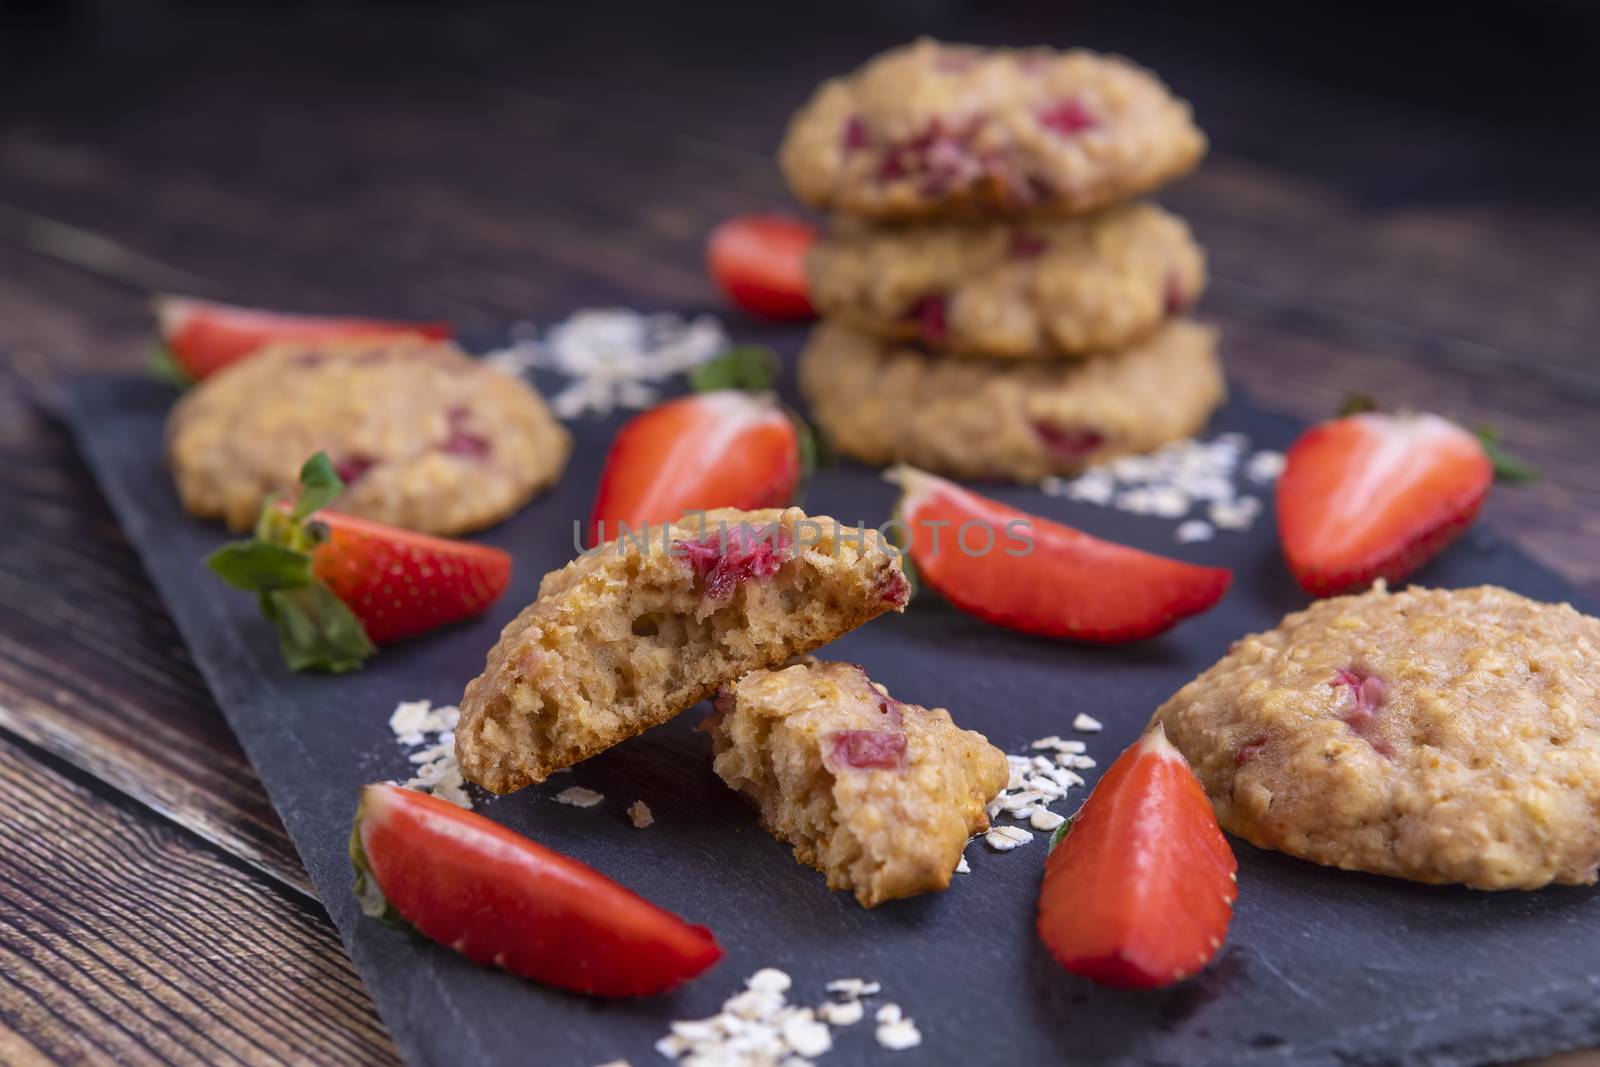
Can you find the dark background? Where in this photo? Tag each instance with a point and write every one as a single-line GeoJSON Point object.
{"type": "Point", "coordinates": [1400, 200]}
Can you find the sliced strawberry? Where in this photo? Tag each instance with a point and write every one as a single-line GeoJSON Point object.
{"type": "Point", "coordinates": [204, 337]}
{"type": "Point", "coordinates": [401, 583]}
{"type": "Point", "coordinates": [502, 900]}
{"type": "Point", "coordinates": [724, 449]}
{"type": "Point", "coordinates": [333, 584]}
{"type": "Point", "coordinates": [1376, 496]}
{"type": "Point", "coordinates": [1040, 577]}
{"type": "Point", "coordinates": [760, 263]}
{"type": "Point", "coordinates": [1140, 891]}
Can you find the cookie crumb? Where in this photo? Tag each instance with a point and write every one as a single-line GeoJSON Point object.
{"type": "Point", "coordinates": [578, 797]}
{"type": "Point", "coordinates": [1086, 724]}
{"type": "Point", "coordinates": [640, 815]}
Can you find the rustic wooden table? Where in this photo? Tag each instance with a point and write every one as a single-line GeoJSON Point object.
{"type": "Point", "coordinates": [1428, 236]}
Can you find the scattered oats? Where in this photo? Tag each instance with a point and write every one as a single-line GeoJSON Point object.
{"type": "Point", "coordinates": [672, 1046]}
{"type": "Point", "coordinates": [963, 867]}
{"type": "Point", "coordinates": [889, 1013]}
{"type": "Point", "coordinates": [899, 1036]}
{"type": "Point", "coordinates": [1006, 838]}
{"type": "Point", "coordinates": [1264, 467]}
{"type": "Point", "coordinates": [805, 1036]}
{"type": "Point", "coordinates": [1073, 747]}
{"type": "Point", "coordinates": [616, 1063]}
{"type": "Point", "coordinates": [578, 797]}
{"type": "Point", "coordinates": [418, 725]}
{"type": "Point", "coordinates": [1195, 530]}
{"type": "Point", "coordinates": [845, 1013]}
{"type": "Point", "coordinates": [1046, 742]}
{"type": "Point", "coordinates": [639, 814]}
{"type": "Point", "coordinates": [1234, 514]}
{"type": "Point", "coordinates": [1045, 821]}
{"type": "Point", "coordinates": [614, 357]}
{"type": "Point", "coordinates": [853, 987]}
{"type": "Point", "coordinates": [755, 1004]}
{"type": "Point", "coordinates": [1086, 724]}
{"type": "Point", "coordinates": [769, 980]}
{"type": "Point", "coordinates": [1082, 763]}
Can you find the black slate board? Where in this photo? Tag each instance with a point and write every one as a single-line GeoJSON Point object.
{"type": "Point", "coordinates": [1321, 967]}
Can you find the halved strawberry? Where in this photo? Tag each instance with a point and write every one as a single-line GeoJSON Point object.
{"type": "Point", "coordinates": [502, 900]}
{"type": "Point", "coordinates": [1140, 891]}
{"type": "Point", "coordinates": [1040, 577]}
{"type": "Point", "coordinates": [1376, 496]}
{"type": "Point", "coordinates": [204, 336]}
{"type": "Point", "coordinates": [760, 262]}
{"type": "Point", "coordinates": [335, 584]}
{"type": "Point", "coordinates": [723, 449]}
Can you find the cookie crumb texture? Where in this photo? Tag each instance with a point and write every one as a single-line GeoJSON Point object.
{"type": "Point", "coordinates": [1437, 735]}
{"type": "Point", "coordinates": [629, 636]}
{"type": "Point", "coordinates": [1024, 291]}
{"type": "Point", "coordinates": [938, 130]}
{"type": "Point", "coordinates": [884, 403]}
{"type": "Point", "coordinates": [878, 795]}
{"type": "Point", "coordinates": [425, 437]}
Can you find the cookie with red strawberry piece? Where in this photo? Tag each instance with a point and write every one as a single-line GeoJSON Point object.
{"type": "Point", "coordinates": [1024, 291]}
{"type": "Point", "coordinates": [938, 130]}
{"type": "Point", "coordinates": [638, 630]}
{"type": "Point", "coordinates": [424, 436]}
{"type": "Point", "coordinates": [885, 402]}
{"type": "Point", "coordinates": [879, 795]}
{"type": "Point", "coordinates": [1436, 735]}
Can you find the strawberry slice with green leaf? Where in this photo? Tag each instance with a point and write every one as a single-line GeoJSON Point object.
{"type": "Point", "coordinates": [1377, 495]}
{"type": "Point", "coordinates": [335, 585]}
{"type": "Point", "coordinates": [1139, 890]}
{"type": "Point", "coordinates": [759, 261]}
{"type": "Point", "coordinates": [726, 448]}
{"type": "Point", "coordinates": [1041, 577]}
{"type": "Point", "coordinates": [200, 337]}
{"type": "Point", "coordinates": [505, 901]}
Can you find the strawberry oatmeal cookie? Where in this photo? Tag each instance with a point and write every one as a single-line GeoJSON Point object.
{"type": "Point", "coordinates": [878, 795]}
{"type": "Point", "coordinates": [632, 634]}
{"type": "Point", "coordinates": [425, 437]}
{"type": "Point", "coordinates": [1017, 291]}
{"type": "Point", "coordinates": [884, 403]}
{"type": "Point", "coordinates": [935, 130]}
{"type": "Point", "coordinates": [1437, 735]}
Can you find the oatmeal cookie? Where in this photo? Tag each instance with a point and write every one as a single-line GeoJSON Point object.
{"type": "Point", "coordinates": [883, 403]}
{"type": "Point", "coordinates": [1016, 291]}
{"type": "Point", "coordinates": [425, 436]}
{"type": "Point", "coordinates": [878, 795]}
{"type": "Point", "coordinates": [1437, 735]}
{"type": "Point", "coordinates": [936, 130]}
{"type": "Point", "coordinates": [632, 634]}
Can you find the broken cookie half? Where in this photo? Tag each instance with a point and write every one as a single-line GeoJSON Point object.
{"type": "Point", "coordinates": [879, 795]}
{"type": "Point", "coordinates": [631, 634]}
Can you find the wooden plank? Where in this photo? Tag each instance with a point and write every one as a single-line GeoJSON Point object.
{"type": "Point", "coordinates": [128, 940]}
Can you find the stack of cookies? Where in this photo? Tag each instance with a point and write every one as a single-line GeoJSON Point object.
{"type": "Point", "coordinates": [996, 301]}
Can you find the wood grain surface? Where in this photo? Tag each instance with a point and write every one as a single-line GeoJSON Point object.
{"type": "Point", "coordinates": [1386, 237]}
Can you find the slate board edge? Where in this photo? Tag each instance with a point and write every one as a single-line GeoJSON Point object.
{"type": "Point", "coordinates": [1431, 1042]}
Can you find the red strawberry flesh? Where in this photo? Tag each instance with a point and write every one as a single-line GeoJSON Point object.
{"type": "Point", "coordinates": [727, 559]}
{"type": "Point", "coordinates": [1068, 117]}
{"type": "Point", "coordinates": [883, 750]}
{"type": "Point", "coordinates": [501, 899]}
{"type": "Point", "coordinates": [1140, 891]}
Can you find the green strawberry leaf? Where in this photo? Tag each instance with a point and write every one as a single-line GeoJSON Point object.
{"type": "Point", "coordinates": [260, 566]}
{"type": "Point", "coordinates": [1509, 468]}
{"type": "Point", "coordinates": [163, 366]}
{"type": "Point", "coordinates": [373, 902]}
{"type": "Point", "coordinates": [1357, 404]}
{"type": "Point", "coordinates": [1060, 834]}
{"type": "Point", "coordinates": [752, 368]}
{"type": "Point", "coordinates": [316, 630]}
{"type": "Point", "coordinates": [320, 485]}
